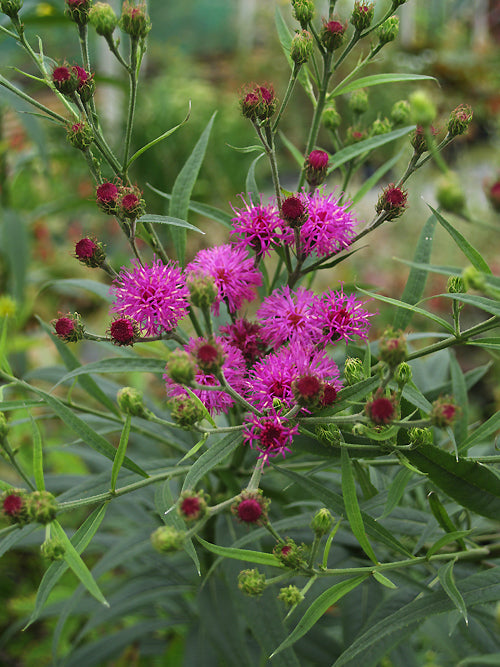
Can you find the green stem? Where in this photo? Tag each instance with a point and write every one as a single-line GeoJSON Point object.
{"type": "Point", "coordinates": [33, 102]}
{"type": "Point", "coordinates": [354, 40]}
{"type": "Point", "coordinates": [134, 64]}
{"type": "Point", "coordinates": [288, 92]}
{"type": "Point", "coordinates": [237, 397]}
{"type": "Point", "coordinates": [253, 484]}
{"type": "Point", "coordinates": [155, 242]}
{"type": "Point", "coordinates": [12, 458]}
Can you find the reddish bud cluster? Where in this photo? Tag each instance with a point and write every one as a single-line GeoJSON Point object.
{"type": "Point", "coordinates": [123, 331]}
{"type": "Point", "coordinates": [332, 34]}
{"type": "Point", "coordinates": [382, 410]}
{"type": "Point", "coordinates": [316, 167]}
{"type": "Point", "coordinates": [392, 201]}
{"type": "Point", "coordinates": [90, 252]}
{"type": "Point", "coordinates": [69, 328]}
{"type": "Point", "coordinates": [258, 103]}
{"type": "Point", "coordinates": [294, 211]}
{"type": "Point", "coordinates": [125, 202]}
{"type": "Point", "coordinates": [251, 507]}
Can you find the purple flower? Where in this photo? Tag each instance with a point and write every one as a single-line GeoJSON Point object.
{"type": "Point", "coordinates": [233, 368]}
{"type": "Point", "coordinates": [268, 435]}
{"type": "Point", "coordinates": [273, 376]}
{"type": "Point", "coordinates": [340, 315]}
{"type": "Point", "coordinates": [259, 227]}
{"type": "Point", "coordinates": [155, 296]}
{"type": "Point", "coordinates": [234, 274]}
{"type": "Point", "coordinates": [286, 315]}
{"type": "Point", "coordinates": [246, 337]}
{"type": "Point", "coordinates": [329, 227]}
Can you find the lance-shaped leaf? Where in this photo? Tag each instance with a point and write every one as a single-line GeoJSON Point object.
{"type": "Point", "coordinates": [169, 220]}
{"type": "Point", "coordinates": [209, 459]}
{"type": "Point", "coordinates": [241, 554]}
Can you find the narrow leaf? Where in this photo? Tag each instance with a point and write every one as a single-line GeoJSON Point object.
{"type": "Point", "coordinates": [241, 554]}
{"type": "Point", "coordinates": [367, 145]}
{"type": "Point", "coordinates": [210, 212]}
{"type": "Point", "coordinates": [209, 459]}
{"type": "Point", "coordinates": [251, 187]}
{"type": "Point", "coordinates": [459, 392]}
{"type": "Point", "coordinates": [396, 490]}
{"type": "Point", "coordinates": [375, 178]}
{"type": "Point", "coordinates": [493, 659]}
{"type": "Point", "coordinates": [385, 581]}
{"type": "Point", "coordinates": [415, 285]}
{"type": "Point", "coordinates": [68, 285]}
{"type": "Point", "coordinates": [488, 305]}
{"type": "Point", "coordinates": [377, 79]}
{"type": "Point", "coordinates": [352, 507]}
{"type": "Point", "coordinates": [120, 452]}
{"type": "Point", "coordinates": [117, 365]}
{"type": "Point", "coordinates": [483, 433]}
{"type": "Point", "coordinates": [296, 154]}
{"type": "Point", "coordinates": [37, 456]}
{"type": "Point", "coordinates": [183, 187]}
{"type": "Point", "coordinates": [441, 516]}
{"type": "Point", "coordinates": [319, 607]}
{"type": "Point", "coordinates": [447, 580]}
{"type": "Point", "coordinates": [195, 448]}
{"type": "Point", "coordinates": [168, 220]}
{"type": "Point", "coordinates": [455, 536]}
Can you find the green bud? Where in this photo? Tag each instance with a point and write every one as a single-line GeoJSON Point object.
{"type": "Point", "coordinates": [456, 285]}
{"type": "Point", "coordinates": [167, 539]}
{"type": "Point", "coordinates": [13, 506]}
{"type": "Point", "coordinates": [354, 135]}
{"type": "Point", "coordinates": [80, 135]}
{"type": "Point", "coordinates": [362, 15]}
{"type": "Point", "coordinates": [401, 112]}
{"type": "Point", "coordinates": [186, 411]}
{"type": "Point", "coordinates": [423, 109]}
{"type": "Point", "coordinates": [473, 279]}
{"type": "Point", "coordinates": [331, 118]}
{"type": "Point", "coordinates": [403, 374]}
{"type": "Point", "coordinates": [329, 434]}
{"type": "Point", "coordinates": [303, 11]}
{"type": "Point", "coordinates": [192, 505]}
{"type": "Point", "coordinates": [449, 193]}
{"type": "Point", "coordinates": [420, 436]}
{"type": "Point", "coordinates": [444, 411]}
{"type": "Point", "coordinates": [460, 119]}
{"type": "Point", "coordinates": [53, 549]}
{"type": "Point", "coordinates": [290, 595]}
{"type": "Point", "coordinates": [252, 582]}
{"type": "Point", "coordinates": [11, 7]}
{"type": "Point", "coordinates": [322, 522]}
{"type": "Point", "coordinates": [380, 126]}
{"type": "Point", "coordinates": [392, 347]}
{"type": "Point", "coordinates": [290, 554]}
{"type": "Point", "coordinates": [359, 429]}
{"type": "Point", "coordinates": [358, 101]}
{"type": "Point", "coordinates": [354, 371]}
{"type": "Point", "coordinates": [78, 11]}
{"type": "Point", "coordinates": [181, 367]}
{"type": "Point", "coordinates": [388, 31]}
{"type": "Point", "coordinates": [131, 402]}
{"type": "Point", "coordinates": [102, 16]}
{"type": "Point", "coordinates": [202, 289]}
{"type": "Point", "coordinates": [41, 507]}
{"type": "Point", "coordinates": [135, 20]}
{"type": "Point", "coordinates": [301, 48]}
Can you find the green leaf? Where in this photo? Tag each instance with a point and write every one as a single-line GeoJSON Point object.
{"type": "Point", "coordinates": [183, 187]}
{"type": "Point", "coordinates": [455, 536]}
{"type": "Point", "coordinates": [247, 149]}
{"type": "Point", "coordinates": [117, 365]}
{"type": "Point", "coordinates": [120, 452]}
{"type": "Point", "coordinates": [383, 580]}
{"type": "Point", "coordinates": [469, 251]}
{"type": "Point", "coordinates": [459, 391]}
{"type": "Point", "coordinates": [481, 302]}
{"type": "Point", "coordinates": [241, 554]}
{"type": "Point", "coordinates": [491, 425]}
{"type": "Point", "coordinates": [377, 79]}
{"type": "Point", "coordinates": [79, 542]}
{"type": "Point", "coordinates": [83, 430]}
{"type": "Point", "coordinates": [469, 483]}
{"type": "Point", "coordinates": [363, 479]}
{"type": "Point", "coordinates": [210, 212]}
{"type": "Point", "coordinates": [487, 342]}
{"type": "Point", "coordinates": [352, 506]}
{"type": "Point", "coordinates": [319, 607]}
{"type": "Point", "coordinates": [414, 309]}
{"type": "Point", "coordinates": [335, 502]}
{"type": "Point", "coordinates": [447, 580]}
{"type": "Point", "coordinates": [396, 490]}
{"type": "Point", "coordinates": [15, 250]}
{"type": "Point", "coordinates": [415, 285]}
{"type": "Point", "coordinates": [158, 139]}
{"type": "Point", "coordinates": [492, 659]}
{"type": "Point", "coordinates": [195, 448]}
{"type": "Point", "coordinates": [251, 186]}
{"type": "Point", "coordinates": [209, 459]}
{"type": "Point", "coordinates": [442, 517]}
{"type": "Point", "coordinates": [168, 220]}
{"type": "Point", "coordinates": [37, 456]}
{"type": "Point", "coordinates": [67, 286]}
{"type": "Point", "coordinates": [206, 414]}
{"type": "Point", "coordinates": [375, 178]}
{"type": "Point", "coordinates": [296, 154]}
{"type": "Point", "coordinates": [366, 146]}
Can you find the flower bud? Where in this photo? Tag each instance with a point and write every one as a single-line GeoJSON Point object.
{"type": "Point", "coordinates": [209, 356]}
{"type": "Point", "coordinates": [8, 306]}
{"type": "Point", "coordinates": [382, 409]}
{"type": "Point", "coordinates": [252, 582]}
{"type": "Point", "coordinates": [80, 135]}
{"type": "Point", "coordinates": [202, 289]}
{"type": "Point", "coordinates": [123, 331]}
{"type": "Point", "coordinates": [449, 194]}
{"type": "Point", "coordinates": [53, 549]}
{"type": "Point", "coordinates": [444, 411]}
{"type": "Point", "coordinates": [65, 79]}
{"type": "Point", "coordinates": [130, 205]}
{"type": "Point", "coordinates": [420, 436]}
{"type": "Point", "coordinates": [329, 434]}
{"type": "Point", "coordinates": [90, 252]}
{"type": "Point", "coordinates": [11, 7]}
{"type": "Point", "coordinates": [103, 18]}
{"type": "Point", "coordinates": [251, 507]}
{"type": "Point", "coordinates": [419, 140]}
{"type": "Point", "coordinates": [354, 135]}
{"type": "Point", "coordinates": [192, 506]}
{"type": "Point", "coordinates": [354, 371]}
{"type": "Point", "coordinates": [380, 126]}
{"type": "Point", "coordinates": [322, 522]}
{"type": "Point", "coordinates": [86, 83]}
{"type": "Point", "coordinates": [135, 20]}
{"type": "Point", "coordinates": [107, 195]}
{"type": "Point", "coordinates": [181, 367]}
{"type": "Point", "coordinates": [423, 110]}
{"type": "Point", "coordinates": [473, 279]}
{"type": "Point", "coordinates": [41, 507]}
{"type": "Point", "coordinates": [388, 31]}
{"type": "Point", "coordinates": [392, 201]}
{"type": "Point", "coordinates": [332, 34]}
{"type": "Point", "coordinates": [307, 390]}
{"type": "Point", "coordinates": [14, 506]}
{"type": "Point", "coordinates": [329, 395]}
{"type": "Point", "coordinates": [392, 347]}
{"type": "Point", "coordinates": [301, 48]}
{"type": "Point", "coordinates": [492, 191]}
{"type": "Point", "coordinates": [400, 112]}
{"type": "Point", "coordinates": [258, 103]}
{"type": "Point", "coordinates": [290, 595]}
{"type": "Point", "coordinates": [167, 539]}
{"type": "Point", "coordinates": [403, 374]}
{"type": "Point", "coordinates": [359, 429]}
{"type": "Point", "coordinates": [69, 328]}
{"type": "Point", "coordinates": [303, 11]}
{"type": "Point", "coordinates": [131, 402]}
{"type": "Point", "coordinates": [456, 285]}
{"type": "Point", "coordinates": [358, 101]}
{"type": "Point", "coordinates": [186, 411]}
{"type": "Point", "coordinates": [331, 118]}
{"type": "Point", "coordinates": [290, 554]}
{"type": "Point", "coordinates": [460, 119]}
{"type": "Point", "coordinates": [316, 167]}
{"type": "Point", "coordinates": [362, 15]}
{"type": "Point", "coordinates": [78, 11]}
{"type": "Point", "coordinates": [294, 211]}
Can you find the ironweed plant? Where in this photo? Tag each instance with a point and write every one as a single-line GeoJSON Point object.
{"type": "Point", "coordinates": [283, 487]}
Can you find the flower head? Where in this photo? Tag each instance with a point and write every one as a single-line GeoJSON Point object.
{"type": "Point", "coordinates": [154, 295]}
{"type": "Point", "coordinates": [135, 20]}
{"type": "Point", "coordinates": [382, 410]}
{"type": "Point", "coordinates": [332, 34]}
{"type": "Point", "coordinates": [107, 197]}
{"type": "Point", "coordinates": [65, 79]}
{"type": "Point", "coordinates": [444, 411]}
{"type": "Point", "coordinates": [316, 167]}
{"type": "Point", "coordinates": [251, 507]}
{"type": "Point", "coordinates": [90, 252]}
{"type": "Point", "coordinates": [246, 337]}
{"type": "Point", "coordinates": [234, 274]}
{"type": "Point", "coordinates": [294, 212]}
{"type": "Point", "coordinates": [287, 315]}
{"type": "Point", "coordinates": [123, 331]}
{"type": "Point", "coordinates": [493, 193]}
{"type": "Point", "coordinates": [269, 435]}
{"type": "Point", "coordinates": [362, 15]}
{"type": "Point", "coordinates": [258, 102]}
{"type": "Point", "coordinates": [392, 201]}
{"type": "Point", "coordinates": [192, 506]}
{"type": "Point", "coordinates": [460, 119]}
{"type": "Point", "coordinates": [258, 227]}
{"type": "Point", "coordinates": [69, 327]}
